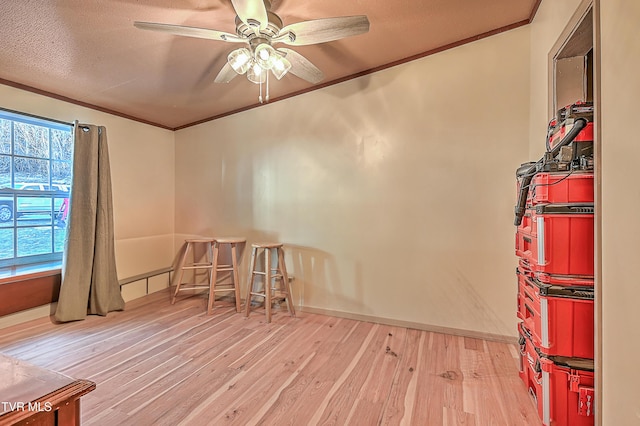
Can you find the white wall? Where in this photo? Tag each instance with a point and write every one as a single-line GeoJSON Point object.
{"type": "Point", "coordinates": [393, 192]}
{"type": "Point", "coordinates": [620, 56]}
{"type": "Point", "coordinates": [142, 173]}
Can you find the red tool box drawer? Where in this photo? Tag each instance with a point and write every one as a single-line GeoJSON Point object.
{"type": "Point", "coordinates": [557, 239]}
{"type": "Point", "coordinates": [560, 319]}
{"type": "Point", "coordinates": [562, 388]}
{"type": "Point", "coordinates": [551, 279]}
{"type": "Point", "coordinates": [570, 399]}
{"type": "Point", "coordinates": [561, 187]}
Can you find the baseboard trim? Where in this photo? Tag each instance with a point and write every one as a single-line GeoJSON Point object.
{"type": "Point", "coordinates": [409, 324]}
{"type": "Point", "coordinates": [37, 313]}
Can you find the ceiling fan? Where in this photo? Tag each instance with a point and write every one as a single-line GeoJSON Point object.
{"type": "Point", "coordinates": [259, 29]}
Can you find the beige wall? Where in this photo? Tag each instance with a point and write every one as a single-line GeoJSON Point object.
{"type": "Point", "coordinates": [393, 192]}
{"type": "Point", "coordinates": [620, 47]}
{"type": "Point", "coordinates": [549, 22]}
{"type": "Point", "coordinates": [142, 173]}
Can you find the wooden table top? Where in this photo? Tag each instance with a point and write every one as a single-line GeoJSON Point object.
{"type": "Point", "coordinates": [25, 388]}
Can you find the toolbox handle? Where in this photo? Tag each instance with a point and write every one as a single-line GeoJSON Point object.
{"type": "Point", "coordinates": [526, 244]}
{"type": "Point", "coordinates": [537, 369]}
{"type": "Point", "coordinates": [522, 343]}
{"type": "Point", "coordinates": [538, 378]}
{"type": "Point", "coordinates": [529, 282]}
{"type": "Point", "coordinates": [530, 312]}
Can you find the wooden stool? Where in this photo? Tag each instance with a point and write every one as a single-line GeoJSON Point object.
{"type": "Point", "coordinates": [279, 273]}
{"type": "Point", "coordinates": [183, 265]}
{"type": "Point", "coordinates": [233, 268]}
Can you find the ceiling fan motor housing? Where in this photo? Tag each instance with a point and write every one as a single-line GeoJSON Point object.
{"type": "Point", "coordinates": [248, 31]}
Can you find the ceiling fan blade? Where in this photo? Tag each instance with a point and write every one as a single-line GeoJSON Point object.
{"type": "Point", "coordinates": [322, 30]}
{"type": "Point", "coordinates": [301, 66]}
{"type": "Point", "coordinates": [251, 12]}
{"type": "Point", "coordinates": [226, 74]}
{"type": "Point", "coordinates": [189, 31]}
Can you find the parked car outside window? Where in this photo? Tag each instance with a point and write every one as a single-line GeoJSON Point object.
{"type": "Point", "coordinates": [39, 202]}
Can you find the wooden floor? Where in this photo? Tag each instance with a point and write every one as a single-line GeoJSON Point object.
{"type": "Point", "coordinates": [160, 364]}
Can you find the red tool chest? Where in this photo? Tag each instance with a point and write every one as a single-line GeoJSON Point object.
{"type": "Point", "coordinates": [562, 388]}
{"type": "Point", "coordinates": [560, 319]}
{"type": "Point", "coordinates": [555, 245]}
{"type": "Point", "coordinates": [557, 239]}
{"type": "Point", "coordinates": [561, 187]}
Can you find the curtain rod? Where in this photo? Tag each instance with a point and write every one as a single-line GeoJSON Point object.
{"type": "Point", "coordinates": [39, 117]}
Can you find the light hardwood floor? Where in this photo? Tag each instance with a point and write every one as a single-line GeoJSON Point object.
{"type": "Point", "coordinates": [155, 363]}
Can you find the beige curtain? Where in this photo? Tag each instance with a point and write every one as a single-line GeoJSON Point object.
{"type": "Point", "coordinates": [89, 277]}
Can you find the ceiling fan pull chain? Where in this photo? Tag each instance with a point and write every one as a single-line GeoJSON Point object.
{"type": "Point", "coordinates": [260, 95]}
{"type": "Point", "coordinates": [267, 94]}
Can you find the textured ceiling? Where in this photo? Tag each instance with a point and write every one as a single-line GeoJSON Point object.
{"type": "Point", "coordinates": [88, 51]}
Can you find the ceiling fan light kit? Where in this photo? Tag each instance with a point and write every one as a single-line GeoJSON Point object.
{"type": "Point", "coordinates": [256, 75]}
{"type": "Point", "coordinates": [280, 67]}
{"type": "Point", "coordinates": [265, 55]}
{"type": "Point", "coordinates": [240, 60]}
{"type": "Point", "coordinates": [259, 28]}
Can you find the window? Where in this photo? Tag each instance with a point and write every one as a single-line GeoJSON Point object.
{"type": "Point", "coordinates": [35, 180]}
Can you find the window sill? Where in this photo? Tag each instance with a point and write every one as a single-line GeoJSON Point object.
{"type": "Point", "coordinates": [14, 274]}
{"type": "Point", "coordinates": [26, 287]}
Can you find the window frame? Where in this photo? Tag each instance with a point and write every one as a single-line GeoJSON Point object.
{"type": "Point", "coordinates": [16, 196]}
